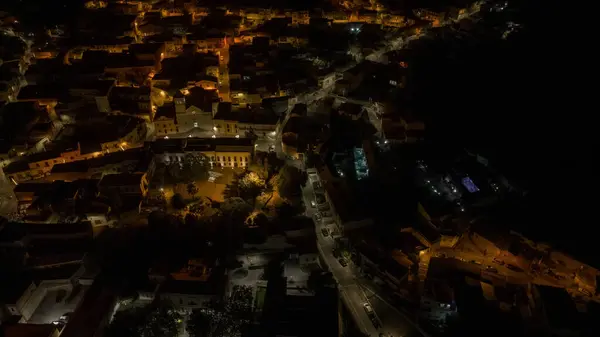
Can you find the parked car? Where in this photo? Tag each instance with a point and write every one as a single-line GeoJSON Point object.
{"type": "Point", "coordinates": [326, 214]}
{"type": "Point", "coordinates": [514, 268]}
{"type": "Point", "coordinates": [324, 231]}
{"type": "Point", "coordinates": [317, 217]}
{"type": "Point", "coordinates": [368, 308]}
{"type": "Point", "coordinates": [313, 203]}
{"type": "Point", "coordinates": [491, 269]}
{"type": "Point", "coordinates": [500, 262]}
{"type": "Point", "coordinates": [343, 262]}
{"type": "Point", "coordinates": [65, 317]}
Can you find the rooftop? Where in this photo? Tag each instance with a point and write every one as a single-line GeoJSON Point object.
{"type": "Point", "coordinates": [249, 115]}
{"type": "Point", "coordinates": [121, 179]}
{"type": "Point", "coordinates": [160, 146]}
{"type": "Point", "coordinates": [29, 330]}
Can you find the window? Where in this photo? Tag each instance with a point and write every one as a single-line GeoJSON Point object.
{"type": "Point", "coordinates": [235, 165]}
{"type": "Point", "coordinates": [246, 159]}
{"type": "Point", "coordinates": [228, 158]}
{"type": "Point", "coordinates": [234, 158]}
{"type": "Point", "coordinates": [212, 158]}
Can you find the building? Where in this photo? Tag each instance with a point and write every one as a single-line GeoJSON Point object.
{"type": "Point", "coordinates": [194, 109]}
{"type": "Point", "coordinates": [125, 184]}
{"type": "Point", "coordinates": [136, 101]}
{"type": "Point", "coordinates": [128, 161]}
{"type": "Point", "coordinates": [89, 140]}
{"type": "Point", "coordinates": [221, 152]}
{"type": "Point", "coordinates": [30, 330]}
{"type": "Point", "coordinates": [24, 127]}
{"type": "Point", "coordinates": [94, 92]}
{"type": "Point", "coordinates": [232, 121]}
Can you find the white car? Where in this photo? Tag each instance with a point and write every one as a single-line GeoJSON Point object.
{"type": "Point", "coordinates": [313, 203]}
{"type": "Point", "coordinates": [368, 308]}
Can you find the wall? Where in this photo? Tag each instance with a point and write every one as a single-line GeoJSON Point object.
{"type": "Point", "coordinates": [216, 158]}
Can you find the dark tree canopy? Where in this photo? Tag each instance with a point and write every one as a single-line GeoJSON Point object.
{"type": "Point", "coordinates": [155, 320]}
{"type": "Point", "coordinates": [291, 180]}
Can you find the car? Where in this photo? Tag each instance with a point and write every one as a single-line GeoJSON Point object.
{"type": "Point", "coordinates": [325, 232]}
{"type": "Point", "coordinates": [368, 308]}
{"type": "Point", "coordinates": [500, 262]}
{"type": "Point", "coordinates": [272, 148]}
{"type": "Point", "coordinates": [514, 268]}
{"type": "Point", "coordinates": [317, 217]}
{"type": "Point", "coordinates": [313, 203]}
{"type": "Point", "coordinates": [65, 316]}
{"type": "Point", "coordinates": [326, 214]}
{"type": "Point", "coordinates": [491, 269]}
{"type": "Point", "coordinates": [343, 262]}
{"type": "Point", "coordinates": [324, 207]}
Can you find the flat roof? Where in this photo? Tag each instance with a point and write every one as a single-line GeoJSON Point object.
{"type": "Point", "coordinates": [250, 115]}
{"type": "Point", "coordinates": [232, 144]}
{"type": "Point", "coordinates": [29, 330]}
{"type": "Point", "coordinates": [121, 179]}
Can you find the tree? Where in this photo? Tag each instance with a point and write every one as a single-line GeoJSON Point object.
{"type": "Point", "coordinates": [195, 167]}
{"type": "Point", "coordinates": [247, 185]}
{"type": "Point", "coordinates": [223, 319]}
{"type": "Point", "coordinates": [291, 179]}
{"type": "Point", "coordinates": [199, 324]}
{"type": "Point", "coordinates": [174, 170]}
{"type": "Point", "coordinates": [178, 201]}
{"type": "Point", "coordinates": [192, 189]}
{"type": "Point", "coordinates": [115, 202]}
{"type": "Point", "coordinates": [239, 305]}
{"type": "Point", "coordinates": [154, 320]}
{"type": "Point", "coordinates": [251, 186]}
{"type": "Point", "coordinates": [236, 209]}
{"type": "Point", "coordinates": [286, 210]}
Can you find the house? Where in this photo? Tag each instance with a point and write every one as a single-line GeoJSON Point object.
{"type": "Point", "coordinates": [221, 152]}
{"type": "Point", "coordinates": [126, 184]}
{"type": "Point", "coordinates": [128, 161]}
{"type": "Point", "coordinates": [30, 330]}
{"type": "Point", "coordinates": [165, 120]}
{"type": "Point", "coordinates": [194, 286]}
{"type": "Point", "coordinates": [136, 101]}
{"type": "Point", "coordinates": [240, 121]}
{"type": "Point", "coordinates": [148, 52]}
{"type": "Point", "coordinates": [94, 92]}
{"type": "Point", "coordinates": [347, 214]}
{"type": "Point", "coordinates": [93, 314]}
{"type": "Point", "coordinates": [46, 95]}
{"type": "Point", "coordinates": [24, 127]}
{"type": "Point", "coordinates": [90, 140]}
